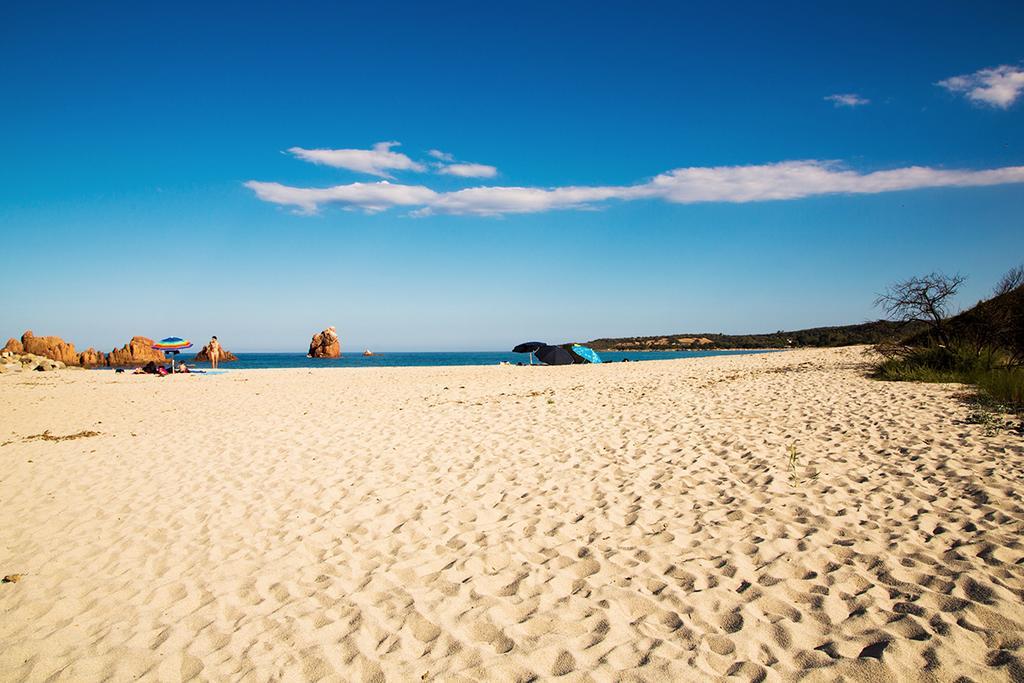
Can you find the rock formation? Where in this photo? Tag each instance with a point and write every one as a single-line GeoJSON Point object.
{"type": "Point", "coordinates": [20, 362]}
{"type": "Point", "coordinates": [325, 344]}
{"type": "Point", "coordinates": [53, 348]}
{"type": "Point", "coordinates": [204, 355]}
{"type": "Point", "coordinates": [91, 358]}
{"type": "Point", "coordinates": [135, 352]}
{"type": "Point", "coordinates": [9, 361]}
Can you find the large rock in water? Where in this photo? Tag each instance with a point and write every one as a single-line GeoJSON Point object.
{"type": "Point", "coordinates": [325, 344]}
{"type": "Point", "coordinates": [204, 355]}
{"type": "Point", "coordinates": [53, 348]}
{"type": "Point", "coordinates": [135, 352]}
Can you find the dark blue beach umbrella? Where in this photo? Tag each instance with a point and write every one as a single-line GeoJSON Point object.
{"type": "Point", "coordinates": [554, 355]}
{"type": "Point", "coordinates": [528, 347]}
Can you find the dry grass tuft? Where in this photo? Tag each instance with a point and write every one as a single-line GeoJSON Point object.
{"type": "Point", "coordinates": [47, 436]}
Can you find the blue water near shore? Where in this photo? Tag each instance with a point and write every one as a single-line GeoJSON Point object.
{"type": "Point", "coordinates": [254, 361]}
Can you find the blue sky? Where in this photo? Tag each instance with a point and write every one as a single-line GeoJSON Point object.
{"type": "Point", "coordinates": [680, 169]}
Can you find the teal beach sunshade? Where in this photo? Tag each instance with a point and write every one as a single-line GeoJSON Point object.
{"type": "Point", "coordinates": [586, 353]}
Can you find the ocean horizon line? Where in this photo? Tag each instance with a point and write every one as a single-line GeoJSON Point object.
{"type": "Point", "coordinates": [251, 360]}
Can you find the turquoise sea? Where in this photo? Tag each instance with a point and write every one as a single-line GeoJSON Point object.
{"type": "Point", "coordinates": [250, 361]}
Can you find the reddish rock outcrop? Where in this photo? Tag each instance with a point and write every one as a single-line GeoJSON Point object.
{"type": "Point", "coordinates": [135, 352]}
{"type": "Point", "coordinates": [53, 348]}
{"type": "Point", "coordinates": [325, 344]}
{"type": "Point", "coordinates": [91, 358]}
{"type": "Point", "coordinates": [204, 355]}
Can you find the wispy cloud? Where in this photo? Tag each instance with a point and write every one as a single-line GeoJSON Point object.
{"type": "Point", "coordinates": [441, 156]}
{"type": "Point", "coordinates": [786, 180]}
{"type": "Point", "coordinates": [999, 86]}
{"type": "Point", "coordinates": [469, 170]}
{"type": "Point", "coordinates": [377, 161]}
{"type": "Point", "coordinates": [370, 197]}
{"type": "Point", "coordinates": [380, 160]}
{"type": "Point", "coordinates": [447, 165]}
{"type": "Point", "coordinates": [847, 100]}
{"type": "Point", "coordinates": [799, 179]}
{"type": "Point", "coordinates": [497, 201]}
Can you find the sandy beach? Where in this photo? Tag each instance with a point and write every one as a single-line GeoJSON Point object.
{"type": "Point", "coordinates": [637, 521]}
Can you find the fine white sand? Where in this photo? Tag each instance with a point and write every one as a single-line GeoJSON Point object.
{"type": "Point", "coordinates": [620, 522]}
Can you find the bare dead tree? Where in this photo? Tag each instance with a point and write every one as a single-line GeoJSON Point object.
{"type": "Point", "coordinates": [1013, 279]}
{"type": "Point", "coordinates": [925, 298]}
{"type": "Point", "coordinates": [1004, 320]}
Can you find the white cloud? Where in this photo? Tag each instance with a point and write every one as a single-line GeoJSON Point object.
{"type": "Point", "coordinates": [998, 87]}
{"type": "Point", "coordinates": [463, 169]}
{"type": "Point", "coordinates": [371, 197]}
{"type": "Point", "coordinates": [469, 170]}
{"type": "Point", "coordinates": [376, 161]}
{"type": "Point", "coordinates": [495, 201]}
{"type": "Point", "coordinates": [799, 179]}
{"type": "Point", "coordinates": [442, 156]}
{"type": "Point", "coordinates": [786, 180]}
{"type": "Point", "coordinates": [848, 100]}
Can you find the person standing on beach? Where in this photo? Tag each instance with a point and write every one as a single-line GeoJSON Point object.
{"type": "Point", "coordinates": [213, 350]}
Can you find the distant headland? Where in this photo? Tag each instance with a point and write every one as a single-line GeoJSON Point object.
{"type": "Point", "coordinates": [842, 335]}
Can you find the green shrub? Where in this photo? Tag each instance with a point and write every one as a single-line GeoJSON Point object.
{"type": "Point", "coordinates": [1005, 385]}
{"type": "Point", "coordinates": [937, 364]}
{"type": "Point", "coordinates": [987, 348]}
{"type": "Point", "coordinates": [984, 368]}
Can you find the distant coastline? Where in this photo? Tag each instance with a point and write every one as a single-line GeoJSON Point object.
{"type": "Point", "coordinates": [814, 337]}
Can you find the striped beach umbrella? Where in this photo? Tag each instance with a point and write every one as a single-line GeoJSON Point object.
{"type": "Point", "coordinates": [173, 346]}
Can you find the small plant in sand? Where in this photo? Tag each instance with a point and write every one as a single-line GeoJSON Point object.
{"type": "Point", "coordinates": [992, 414]}
{"type": "Point", "coordinates": [793, 455]}
{"type": "Point", "coordinates": [991, 423]}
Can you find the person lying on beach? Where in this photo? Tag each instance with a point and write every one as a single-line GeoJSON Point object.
{"type": "Point", "coordinates": [151, 368]}
{"type": "Point", "coordinates": [183, 368]}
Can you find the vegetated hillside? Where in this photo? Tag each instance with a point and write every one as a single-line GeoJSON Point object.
{"type": "Point", "coordinates": [983, 346]}
{"type": "Point", "coordinates": [995, 323]}
{"type": "Point", "coordinates": [843, 335]}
